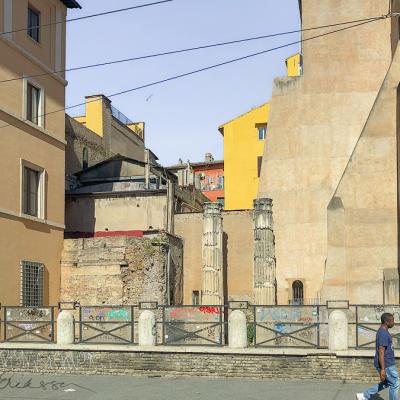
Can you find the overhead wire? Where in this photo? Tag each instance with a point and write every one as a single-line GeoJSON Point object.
{"type": "Point", "coordinates": [210, 67]}
{"type": "Point", "coordinates": [124, 60]}
{"type": "Point", "coordinates": [87, 16]}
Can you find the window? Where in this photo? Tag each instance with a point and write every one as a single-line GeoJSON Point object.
{"type": "Point", "coordinates": [210, 179]}
{"type": "Point", "coordinates": [34, 24]}
{"type": "Point", "coordinates": [85, 159]}
{"type": "Point", "coordinates": [259, 165]}
{"type": "Point", "coordinates": [31, 191]}
{"type": "Point", "coordinates": [31, 284]}
{"type": "Point", "coordinates": [32, 202]}
{"type": "Point", "coordinates": [195, 297]}
{"type": "Point", "coordinates": [262, 132]}
{"type": "Point", "coordinates": [33, 95]}
{"type": "Point", "coordinates": [221, 181]}
{"type": "Point", "coordinates": [298, 293]}
{"type": "Point", "coordinates": [221, 200]}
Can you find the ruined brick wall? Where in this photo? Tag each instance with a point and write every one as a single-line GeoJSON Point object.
{"type": "Point", "coordinates": [78, 137]}
{"type": "Point", "coordinates": [119, 270]}
{"type": "Point", "coordinates": [116, 139]}
{"type": "Point", "coordinates": [176, 270]}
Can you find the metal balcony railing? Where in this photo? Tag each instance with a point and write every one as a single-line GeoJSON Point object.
{"type": "Point", "coordinates": [120, 116]}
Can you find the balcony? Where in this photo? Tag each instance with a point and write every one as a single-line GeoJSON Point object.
{"type": "Point", "coordinates": [120, 117]}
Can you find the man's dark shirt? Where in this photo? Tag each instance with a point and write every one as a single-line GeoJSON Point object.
{"type": "Point", "coordinates": [383, 338]}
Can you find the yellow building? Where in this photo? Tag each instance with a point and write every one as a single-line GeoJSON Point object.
{"type": "Point", "coordinates": [244, 139]}
{"type": "Point", "coordinates": [294, 65]}
{"type": "Point", "coordinates": [32, 149]}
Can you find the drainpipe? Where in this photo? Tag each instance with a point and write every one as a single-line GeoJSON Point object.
{"type": "Point", "coordinates": [168, 282]}
{"type": "Point", "coordinates": [170, 206]}
{"type": "Point", "coordinates": [147, 168]}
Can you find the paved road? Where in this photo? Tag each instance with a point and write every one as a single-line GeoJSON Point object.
{"type": "Point", "coordinates": [155, 388]}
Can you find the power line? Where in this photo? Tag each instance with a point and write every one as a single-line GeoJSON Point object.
{"type": "Point", "coordinates": [88, 16]}
{"type": "Point", "coordinates": [210, 67]}
{"type": "Point", "coordinates": [102, 64]}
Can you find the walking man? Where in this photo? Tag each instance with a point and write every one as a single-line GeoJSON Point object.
{"type": "Point", "coordinates": [384, 362]}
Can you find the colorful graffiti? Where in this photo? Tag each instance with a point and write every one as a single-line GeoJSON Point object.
{"type": "Point", "coordinates": [306, 315]}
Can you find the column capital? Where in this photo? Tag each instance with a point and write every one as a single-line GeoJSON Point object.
{"type": "Point", "coordinates": [212, 209]}
{"type": "Point", "coordinates": [263, 204]}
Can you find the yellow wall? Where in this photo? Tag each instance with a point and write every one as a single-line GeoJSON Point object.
{"type": "Point", "coordinates": [22, 237]}
{"type": "Point", "coordinates": [241, 151]}
{"type": "Point", "coordinates": [81, 120]}
{"type": "Point", "coordinates": [94, 114]}
{"type": "Point", "coordinates": [138, 128]}
{"type": "Point", "coordinates": [293, 64]}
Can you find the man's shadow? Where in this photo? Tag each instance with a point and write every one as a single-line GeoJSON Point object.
{"type": "Point", "coordinates": [376, 397]}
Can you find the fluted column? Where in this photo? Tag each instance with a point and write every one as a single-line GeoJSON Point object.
{"type": "Point", "coordinates": [264, 254]}
{"type": "Point", "coordinates": [213, 277]}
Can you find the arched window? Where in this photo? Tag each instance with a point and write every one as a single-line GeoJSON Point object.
{"type": "Point", "coordinates": [85, 158]}
{"type": "Point", "coordinates": [298, 292]}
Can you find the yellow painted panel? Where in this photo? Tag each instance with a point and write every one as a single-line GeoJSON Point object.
{"type": "Point", "coordinates": [81, 120]}
{"type": "Point", "coordinates": [242, 147]}
{"type": "Point", "coordinates": [293, 65]}
{"type": "Point", "coordinates": [94, 114]}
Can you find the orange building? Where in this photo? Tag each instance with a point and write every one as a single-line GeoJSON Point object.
{"type": "Point", "coordinates": [207, 176]}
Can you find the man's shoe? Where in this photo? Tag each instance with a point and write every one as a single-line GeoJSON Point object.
{"type": "Point", "coordinates": [360, 396]}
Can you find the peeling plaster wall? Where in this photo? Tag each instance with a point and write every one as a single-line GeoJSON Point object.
{"type": "Point", "coordinates": [362, 235]}
{"type": "Point", "coordinates": [315, 123]}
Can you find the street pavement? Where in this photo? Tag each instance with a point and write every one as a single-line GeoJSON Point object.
{"type": "Point", "coordinates": [31, 387]}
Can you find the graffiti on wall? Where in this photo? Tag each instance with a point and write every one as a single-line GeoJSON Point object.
{"type": "Point", "coordinates": [37, 362]}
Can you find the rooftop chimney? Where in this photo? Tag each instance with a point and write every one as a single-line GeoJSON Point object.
{"type": "Point", "coordinates": [209, 157]}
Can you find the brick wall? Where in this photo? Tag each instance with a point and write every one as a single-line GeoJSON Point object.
{"type": "Point", "coordinates": [78, 137]}
{"type": "Point", "coordinates": [186, 363]}
{"type": "Point", "coordinates": [121, 270]}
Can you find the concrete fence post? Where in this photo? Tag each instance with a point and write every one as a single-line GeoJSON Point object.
{"type": "Point", "coordinates": [65, 328]}
{"type": "Point", "coordinates": [237, 329]}
{"type": "Point", "coordinates": [147, 329]}
{"type": "Point", "coordinates": [338, 331]}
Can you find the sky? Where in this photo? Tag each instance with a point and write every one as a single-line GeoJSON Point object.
{"type": "Point", "coordinates": [182, 116]}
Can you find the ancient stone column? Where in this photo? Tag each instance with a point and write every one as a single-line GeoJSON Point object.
{"type": "Point", "coordinates": [264, 254]}
{"type": "Point", "coordinates": [338, 331]}
{"type": "Point", "coordinates": [213, 276]}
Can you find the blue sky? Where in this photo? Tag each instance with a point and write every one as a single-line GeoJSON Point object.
{"type": "Point", "coordinates": [181, 116]}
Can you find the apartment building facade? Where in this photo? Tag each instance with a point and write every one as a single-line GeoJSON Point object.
{"type": "Point", "coordinates": [32, 147]}
{"type": "Point", "coordinates": [206, 176]}
{"type": "Point", "coordinates": [244, 139]}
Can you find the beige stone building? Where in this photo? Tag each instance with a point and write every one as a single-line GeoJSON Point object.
{"type": "Point", "coordinates": [122, 194]}
{"type": "Point", "coordinates": [330, 161]}
{"type": "Point", "coordinates": [32, 147]}
{"type": "Point", "coordinates": [237, 255]}
{"type": "Point", "coordinates": [100, 134]}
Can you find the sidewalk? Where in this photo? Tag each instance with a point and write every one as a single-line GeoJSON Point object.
{"type": "Point", "coordinates": [155, 388]}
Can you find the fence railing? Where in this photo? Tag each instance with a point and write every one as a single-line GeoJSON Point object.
{"type": "Point", "coordinates": [28, 325]}
{"type": "Point", "coordinates": [120, 116]}
{"type": "Point", "coordinates": [291, 326]}
{"type": "Point", "coordinates": [296, 326]}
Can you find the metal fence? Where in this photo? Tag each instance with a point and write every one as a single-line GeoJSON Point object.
{"type": "Point", "coordinates": [28, 324]}
{"type": "Point", "coordinates": [290, 326]}
{"type": "Point", "coordinates": [120, 116]}
{"type": "Point", "coordinates": [295, 326]}
{"type": "Point", "coordinates": [193, 325]}
{"type": "Point", "coordinates": [106, 324]}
